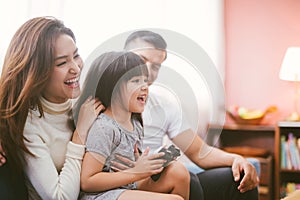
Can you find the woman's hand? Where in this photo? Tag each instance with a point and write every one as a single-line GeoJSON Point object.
{"type": "Point", "coordinates": [88, 112]}
{"type": "Point", "coordinates": [2, 156]}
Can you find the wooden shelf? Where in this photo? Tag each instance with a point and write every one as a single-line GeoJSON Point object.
{"type": "Point", "coordinates": [289, 124]}
{"type": "Point", "coordinates": [283, 176]}
{"type": "Point", "coordinates": [289, 171]}
{"type": "Point", "coordinates": [233, 135]}
{"type": "Point", "coordinates": [243, 127]}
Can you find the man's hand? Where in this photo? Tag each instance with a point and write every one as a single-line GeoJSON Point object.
{"type": "Point", "coordinates": [250, 179]}
{"type": "Point", "coordinates": [125, 163]}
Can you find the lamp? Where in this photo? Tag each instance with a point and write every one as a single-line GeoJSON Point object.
{"type": "Point", "coordinates": [290, 71]}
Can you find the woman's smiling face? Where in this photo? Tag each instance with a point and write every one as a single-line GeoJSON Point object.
{"type": "Point", "coordinates": [64, 81]}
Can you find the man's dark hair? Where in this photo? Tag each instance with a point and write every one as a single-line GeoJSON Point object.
{"type": "Point", "coordinates": [147, 36]}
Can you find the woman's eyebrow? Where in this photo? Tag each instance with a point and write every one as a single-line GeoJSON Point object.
{"type": "Point", "coordinates": [65, 56]}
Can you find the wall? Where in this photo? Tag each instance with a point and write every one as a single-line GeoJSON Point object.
{"type": "Point", "coordinates": [94, 22]}
{"type": "Point", "coordinates": [258, 32]}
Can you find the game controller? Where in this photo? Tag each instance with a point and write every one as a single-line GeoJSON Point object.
{"type": "Point", "coordinates": [171, 154]}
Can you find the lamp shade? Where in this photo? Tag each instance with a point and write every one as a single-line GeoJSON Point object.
{"type": "Point", "coordinates": [290, 67]}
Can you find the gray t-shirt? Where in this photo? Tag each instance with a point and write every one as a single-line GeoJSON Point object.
{"type": "Point", "coordinates": [108, 138]}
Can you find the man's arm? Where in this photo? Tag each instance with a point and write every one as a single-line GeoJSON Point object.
{"type": "Point", "coordinates": [200, 153]}
{"type": "Point", "coordinates": [206, 157]}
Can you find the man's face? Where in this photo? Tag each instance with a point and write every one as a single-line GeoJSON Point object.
{"type": "Point", "coordinates": [153, 58]}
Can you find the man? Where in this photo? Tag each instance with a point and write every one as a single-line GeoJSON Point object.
{"type": "Point", "coordinates": [238, 182]}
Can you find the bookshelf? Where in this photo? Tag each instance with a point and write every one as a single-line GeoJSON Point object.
{"type": "Point", "coordinates": [287, 158]}
{"type": "Point", "coordinates": [238, 138]}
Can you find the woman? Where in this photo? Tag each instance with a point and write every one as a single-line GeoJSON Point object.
{"type": "Point", "coordinates": [40, 77]}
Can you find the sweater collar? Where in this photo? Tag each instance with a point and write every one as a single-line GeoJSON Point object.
{"type": "Point", "coordinates": [56, 108]}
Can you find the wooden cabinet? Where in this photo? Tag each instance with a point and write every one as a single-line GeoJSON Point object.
{"type": "Point", "coordinates": [286, 174]}
{"type": "Point", "coordinates": [252, 140]}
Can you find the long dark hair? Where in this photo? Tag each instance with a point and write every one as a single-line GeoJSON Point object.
{"type": "Point", "coordinates": [106, 74]}
{"type": "Point", "coordinates": [27, 67]}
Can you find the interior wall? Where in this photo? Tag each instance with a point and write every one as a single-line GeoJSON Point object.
{"type": "Point", "coordinates": [95, 22]}
{"type": "Point", "coordinates": [257, 34]}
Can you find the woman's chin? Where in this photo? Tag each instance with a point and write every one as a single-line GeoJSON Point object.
{"type": "Point", "coordinates": [75, 94]}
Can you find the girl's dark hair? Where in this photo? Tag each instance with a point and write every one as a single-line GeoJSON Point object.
{"type": "Point", "coordinates": [106, 74]}
{"type": "Point", "coordinates": [27, 67]}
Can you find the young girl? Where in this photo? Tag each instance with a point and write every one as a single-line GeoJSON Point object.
{"type": "Point", "coordinates": [123, 90]}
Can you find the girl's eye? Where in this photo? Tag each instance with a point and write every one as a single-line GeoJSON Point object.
{"type": "Point", "coordinates": [76, 56]}
{"type": "Point", "coordinates": [140, 80]}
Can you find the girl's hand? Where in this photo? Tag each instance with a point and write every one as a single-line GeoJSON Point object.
{"type": "Point", "coordinates": [147, 165]}
{"type": "Point", "coordinates": [88, 112]}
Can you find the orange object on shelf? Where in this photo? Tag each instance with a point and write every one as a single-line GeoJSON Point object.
{"type": "Point", "coordinates": [252, 117]}
{"type": "Point", "coordinates": [240, 120]}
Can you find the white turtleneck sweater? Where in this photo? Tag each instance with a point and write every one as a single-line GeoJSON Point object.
{"type": "Point", "coordinates": [54, 172]}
